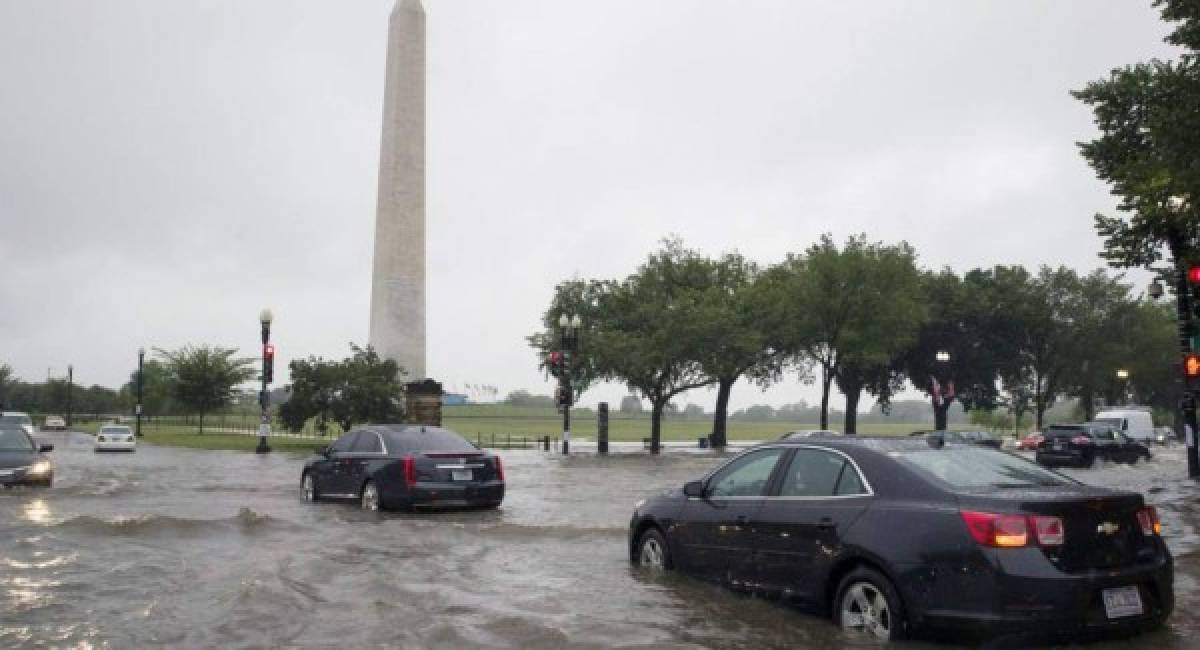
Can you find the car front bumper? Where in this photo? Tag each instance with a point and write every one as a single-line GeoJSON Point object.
{"type": "Point", "coordinates": [22, 476]}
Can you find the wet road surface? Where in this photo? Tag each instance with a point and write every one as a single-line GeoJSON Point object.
{"type": "Point", "coordinates": [192, 548]}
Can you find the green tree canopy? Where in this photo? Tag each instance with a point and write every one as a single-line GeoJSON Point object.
{"type": "Point", "coordinates": [359, 389]}
{"type": "Point", "coordinates": [205, 378]}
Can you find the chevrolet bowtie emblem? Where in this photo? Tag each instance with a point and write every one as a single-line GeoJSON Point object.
{"type": "Point", "coordinates": [1108, 528]}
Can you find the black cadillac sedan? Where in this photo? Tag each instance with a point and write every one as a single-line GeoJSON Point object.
{"type": "Point", "coordinates": [22, 461]}
{"type": "Point", "coordinates": [392, 466]}
{"type": "Point", "coordinates": [897, 535]}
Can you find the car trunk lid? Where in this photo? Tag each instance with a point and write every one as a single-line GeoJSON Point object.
{"type": "Point", "coordinates": [455, 467]}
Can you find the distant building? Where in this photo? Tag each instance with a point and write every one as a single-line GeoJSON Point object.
{"type": "Point", "coordinates": [453, 399]}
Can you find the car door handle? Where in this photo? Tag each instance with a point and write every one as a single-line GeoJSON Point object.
{"type": "Point", "coordinates": [826, 523]}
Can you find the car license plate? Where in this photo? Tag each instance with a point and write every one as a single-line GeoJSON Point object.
{"type": "Point", "coordinates": [1122, 601]}
{"type": "Point", "coordinates": [461, 474]}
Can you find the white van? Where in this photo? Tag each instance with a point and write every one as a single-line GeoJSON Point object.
{"type": "Point", "coordinates": [1137, 425]}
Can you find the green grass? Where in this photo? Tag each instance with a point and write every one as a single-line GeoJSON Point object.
{"type": "Point", "coordinates": [497, 424]}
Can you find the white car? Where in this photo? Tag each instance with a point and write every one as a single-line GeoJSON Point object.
{"type": "Point", "coordinates": [115, 437]}
{"type": "Point", "coordinates": [54, 423]}
{"type": "Point", "coordinates": [18, 418]}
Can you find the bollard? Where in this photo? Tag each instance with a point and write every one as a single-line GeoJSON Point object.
{"type": "Point", "coordinates": [546, 442]}
{"type": "Point", "coordinates": [602, 428]}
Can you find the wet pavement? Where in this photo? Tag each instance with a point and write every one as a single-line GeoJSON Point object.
{"type": "Point", "coordinates": [190, 548]}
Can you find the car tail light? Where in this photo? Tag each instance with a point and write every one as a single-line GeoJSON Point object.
{"type": "Point", "coordinates": [1081, 440]}
{"type": "Point", "coordinates": [1148, 519]}
{"type": "Point", "coordinates": [997, 530]}
{"type": "Point", "coordinates": [1048, 530]}
{"type": "Point", "coordinates": [410, 471]}
{"type": "Point", "coordinates": [499, 469]}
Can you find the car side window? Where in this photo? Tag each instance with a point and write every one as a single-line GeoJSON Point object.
{"type": "Point", "coordinates": [367, 443]}
{"type": "Point", "coordinates": [345, 443]}
{"type": "Point", "coordinates": [820, 473]}
{"type": "Point", "coordinates": [747, 476]}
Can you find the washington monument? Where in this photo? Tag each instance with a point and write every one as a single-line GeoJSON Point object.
{"type": "Point", "coordinates": [398, 279]}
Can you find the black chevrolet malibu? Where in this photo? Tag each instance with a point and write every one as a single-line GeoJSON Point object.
{"type": "Point", "coordinates": [22, 461]}
{"type": "Point", "coordinates": [897, 535]}
{"type": "Point", "coordinates": [391, 466]}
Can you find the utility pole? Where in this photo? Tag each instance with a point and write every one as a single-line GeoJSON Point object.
{"type": "Point", "coordinates": [1185, 304]}
{"type": "Point", "coordinates": [70, 380]}
{"type": "Point", "coordinates": [268, 370]}
{"type": "Point", "coordinates": [137, 414]}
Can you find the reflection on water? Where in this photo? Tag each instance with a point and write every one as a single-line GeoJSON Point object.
{"type": "Point", "coordinates": [183, 548]}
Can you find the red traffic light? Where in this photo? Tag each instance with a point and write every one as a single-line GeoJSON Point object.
{"type": "Point", "coordinates": [1194, 274]}
{"type": "Point", "coordinates": [1191, 365]}
{"type": "Point", "coordinates": [269, 351]}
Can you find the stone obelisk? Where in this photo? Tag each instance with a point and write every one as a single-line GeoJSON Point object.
{"type": "Point", "coordinates": [398, 279]}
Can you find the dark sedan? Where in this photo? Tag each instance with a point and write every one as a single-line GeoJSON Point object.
{"type": "Point", "coordinates": [1080, 445]}
{"type": "Point", "coordinates": [22, 461]}
{"type": "Point", "coordinates": [395, 466]}
{"type": "Point", "coordinates": [898, 535]}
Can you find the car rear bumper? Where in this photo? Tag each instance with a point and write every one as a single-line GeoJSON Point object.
{"type": "Point", "coordinates": [452, 495]}
{"type": "Point", "coordinates": [1035, 600]}
{"type": "Point", "coordinates": [1062, 458]}
{"type": "Point", "coordinates": [115, 446]}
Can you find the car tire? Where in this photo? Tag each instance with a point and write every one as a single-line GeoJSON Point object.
{"type": "Point", "coordinates": [1089, 460]}
{"type": "Point", "coordinates": [369, 497]}
{"type": "Point", "coordinates": [866, 591]}
{"type": "Point", "coordinates": [652, 551]}
{"type": "Point", "coordinates": [308, 488]}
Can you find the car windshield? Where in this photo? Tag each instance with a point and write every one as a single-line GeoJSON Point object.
{"type": "Point", "coordinates": [1112, 422]}
{"type": "Point", "coordinates": [15, 419]}
{"type": "Point", "coordinates": [966, 467]}
{"type": "Point", "coordinates": [14, 440]}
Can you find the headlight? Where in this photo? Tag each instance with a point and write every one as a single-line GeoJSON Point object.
{"type": "Point", "coordinates": [40, 467]}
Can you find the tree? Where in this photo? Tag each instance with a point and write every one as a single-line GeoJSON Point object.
{"type": "Point", "coordinates": [693, 411]}
{"type": "Point", "coordinates": [358, 389]}
{"type": "Point", "coordinates": [7, 382]}
{"type": "Point", "coordinates": [205, 378]}
{"type": "Point", "coordinates": [527, 399]}
{"type": "Point", "coordinates": [156, 388]}
{"type": "Point", "coordinates": [961, 323]}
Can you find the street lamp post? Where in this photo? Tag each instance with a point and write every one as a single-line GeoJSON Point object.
{"type": "Point", "coordinates": [137, 413]}
{"type": "Point", "coordinates": [569, 342]}
{"type": "Point", "coordinates": [1123, 382]}
{"type": "Point", "coordinates": [264, 398]}
{"type": "Point", "coordinates": [941, 394]}
{"type": "Point", "coordinates": [70, 380]}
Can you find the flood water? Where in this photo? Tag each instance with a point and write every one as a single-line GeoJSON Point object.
{"type": "Point", "coordinates": [188, 548]}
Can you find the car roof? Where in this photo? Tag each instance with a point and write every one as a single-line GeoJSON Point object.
{"type": "Point", "coordinates": [878, 443]}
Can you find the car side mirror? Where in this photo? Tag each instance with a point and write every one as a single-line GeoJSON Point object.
{"type": "Point", "coordinates": [45, 448]}
{"type": "Point", "coordinates": [694, 489]}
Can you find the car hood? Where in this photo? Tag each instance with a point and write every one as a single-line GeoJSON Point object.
{"type": "Point", "coordinates": [10, 459]}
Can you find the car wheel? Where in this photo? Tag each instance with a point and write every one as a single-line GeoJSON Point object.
{"type": "Point", "coordinates": [652, 552]}
{"type": "Point", "coordinates": [867, 603]}
{"type": "Point", "coordinates": [308, 488]}
{"type": "Point", "coordinates": [370, 497]}
{"type": "Point", "coordinates": [1089, 460]}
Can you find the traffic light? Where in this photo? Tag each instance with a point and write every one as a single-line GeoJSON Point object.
{"type": "Point", "coordinates": [555, 362]}
{"type": "Point", "coordinates": [268, 362]}
{"type": "Point", "coordinates": [1191, 366]}
{"type": "Point", "coordinates": [1193, 277]}
{"type": "Point", "coordinates": [562, 397]}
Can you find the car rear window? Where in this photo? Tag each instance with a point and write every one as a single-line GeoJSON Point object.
{"type": "Point", "coordinates": [114, 430]}
{"type": "Point", "coordinates": [15, 419]}
{"type": "Point", "coordinates": [430, 439]}
{"type": "Point", "coordinates": [970, 468]}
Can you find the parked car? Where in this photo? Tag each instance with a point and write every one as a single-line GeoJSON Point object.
{"type": "Point", "coordinates": [899, 535]}
{"type": "Point", "coordinates": [1080, 445]}
{"type": "Point", "coordinates": [19, 419]}
{"type": "Point", "coordinates": [1164, 435]}
{"type": "Point", "coordinates": [22, 459]}
{"type": "Point", "coordinates": [808, 433]}
{"type": "Point", "coordinates": [982, 438]}
{"type": "Point", "coordinates": [1135, 423]}
{"type": "Point", "coordinates": [1031, 441]}
{"type": "Point", "coordinates": [404, 466]}
{"type": "Point", "coordinates": [115, 437]}
{"type": "Point", "coordinates": [54, 423]}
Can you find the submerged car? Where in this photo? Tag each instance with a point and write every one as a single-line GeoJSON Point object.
{"type": "Point", "coordinates": [1079, 445]}
{"type": "Point", "coordinates": [396, 466]}
{"type": "Point", "coordinates": [21, 459]}
{"type": "Point", "coordinates": [16, 418]}
{"type": "Point", "coordinates": [115, 437]}
{"type": "Point", "coordinates": [981, 438]}
{"type": "Point", "coordinates": [1031, 441]}
{"type": "Point", "coordinates": [899, 535]}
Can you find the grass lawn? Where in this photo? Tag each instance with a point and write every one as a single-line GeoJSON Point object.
{"type": "Point", "coordinates": [496, 424]}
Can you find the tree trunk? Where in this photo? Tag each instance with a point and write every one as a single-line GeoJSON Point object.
{"type": "Point", "coordinates": [826, 379]}
{"type": "Point", "coordinates": [724, 388]}
{"type": "Point", "coordinates": [852, 397]}
{"type": "Point", "coordinates": [201, 422]}
{"type": "Point", "coordinates": [941, 414]}
{"type": "Point", "coordinates": [656, 424]}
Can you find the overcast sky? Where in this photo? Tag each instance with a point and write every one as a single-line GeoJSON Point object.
{"type": "Point", "coordinates": [168, 168]}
